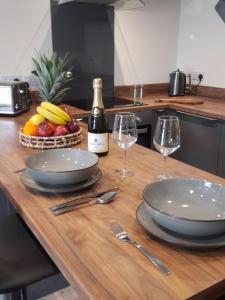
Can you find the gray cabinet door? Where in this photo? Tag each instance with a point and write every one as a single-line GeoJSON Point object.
{"type": "Point", "coordinates": [155, 115]}
{"type": "Point", "coordinates": [221, 156]}
{"type": "Point", "coordinates": [200, 138]}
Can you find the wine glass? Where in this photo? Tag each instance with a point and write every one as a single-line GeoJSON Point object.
{"type": "Point", "coordinates": [124, 135]}
{"type": "Point", "coordinates": [167, 137]}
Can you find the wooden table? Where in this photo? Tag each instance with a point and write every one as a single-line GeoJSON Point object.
{"type": "Point", "coordinates": [81, 242]}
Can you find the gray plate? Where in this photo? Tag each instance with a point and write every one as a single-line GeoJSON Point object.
{"type": "Point", "coordinates": [29, 182]}
{"type": "Point", "coordinates": [158, 232]}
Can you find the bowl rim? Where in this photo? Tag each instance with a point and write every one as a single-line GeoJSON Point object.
{"type": "Point", "coordinates": [60, 149]}
{"type": "Point", "coordinates": [177, 217]}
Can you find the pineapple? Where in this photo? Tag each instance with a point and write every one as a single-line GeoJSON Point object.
{"type": "Point", "coordinates": [52, 77]}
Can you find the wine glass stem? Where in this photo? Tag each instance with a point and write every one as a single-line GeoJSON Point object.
{"type": "Point", "coordinates": [124, 159]}
{"type": "Point", "coordinates": [164, 167]}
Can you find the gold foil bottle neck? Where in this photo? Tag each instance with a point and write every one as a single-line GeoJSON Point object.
{"type": "Point", "coordinates": [97, 101]}
{"type": "Point", "coordinates": [97, 83]}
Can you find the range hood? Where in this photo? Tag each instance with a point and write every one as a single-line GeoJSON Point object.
{"type": "Point", "coordinates": [118, 4]}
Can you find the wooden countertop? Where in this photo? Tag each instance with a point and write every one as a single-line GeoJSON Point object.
{"type": "Point", "coordinates": [81, 242]}
{"type": "Point", "coordinates": [212, 107]}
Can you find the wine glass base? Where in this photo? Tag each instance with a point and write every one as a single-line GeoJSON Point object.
{"type": "Point", "coordinates": [124, 172]}
{"type": "Point", "coordinates": [163, 177]}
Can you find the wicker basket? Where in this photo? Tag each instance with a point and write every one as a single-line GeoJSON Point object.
{"type": "Point", "coordinates": [51, 142]}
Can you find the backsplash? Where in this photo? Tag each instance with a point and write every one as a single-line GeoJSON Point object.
{"type": "Point", "coordinates": [86, 33]}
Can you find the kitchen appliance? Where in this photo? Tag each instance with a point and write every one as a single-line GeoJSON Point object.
{"type": "Point", "coordinates": [109, 102]}
{"type": "Point", "coordinates": [118, 4]}
{"type": "Point", "coordinates": [14, 97]}
{"type": "Point", "coordinates": [143, 122]}
{"type": "Point", "coordinates": [178, 85]}
{"type": "Point", "coordinates": [220, 9]}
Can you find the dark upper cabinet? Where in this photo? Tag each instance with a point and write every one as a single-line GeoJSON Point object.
{"type": "Point", "coordinates": [200, 140]}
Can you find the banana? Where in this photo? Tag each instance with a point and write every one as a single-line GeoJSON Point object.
{"type": "Point", "coordinates": [50, 116]}
{"type": "Point", "coordinates": [56, 110]}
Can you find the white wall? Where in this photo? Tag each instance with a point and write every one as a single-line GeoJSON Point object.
{"type": "Point", "coordinates": [25, 25]}
{"type": "Point", "coordinates": [146, 39]}
{"type": "Point", "coordinates": [146, 42]}
{"type": "Point", "coordinates": [202, 41]}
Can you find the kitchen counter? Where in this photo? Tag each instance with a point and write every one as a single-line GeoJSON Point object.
{"type": "Point", "coordinates": [81, 242]}
{"type": "Point", "coordinates": [212, 107]}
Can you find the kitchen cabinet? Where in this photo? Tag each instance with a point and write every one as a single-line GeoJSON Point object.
{"type": "Point", "coordinates": [200, 140]}
{"type": "Point", "coordinates": [221, 154]}
{"type": "Point", "coordinates": [144, 122]}
{"type": "Point", "coordinates": [155, 115]}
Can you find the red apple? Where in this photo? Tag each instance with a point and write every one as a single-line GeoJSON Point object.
{"type": "Point", "coordinates": [44, 129]}
{"type": "Point", "coordinates": [61, 130]}
{"type": "Point", "coordinates": [73, 126]}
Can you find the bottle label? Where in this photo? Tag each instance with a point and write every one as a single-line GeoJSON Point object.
{"type": "Point", "coordinates": [98, 142]}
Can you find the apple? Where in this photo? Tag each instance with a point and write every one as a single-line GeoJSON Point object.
{"type": "Point", "coordinates": [61, 130]}
{"type": "Point", "coordinates": [44, 129]}
{"type": "Point", "coordinates": [73, 126]}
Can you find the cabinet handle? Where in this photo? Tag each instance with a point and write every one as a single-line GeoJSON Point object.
{"type": "Point", "coordinates": [142, 130]}
{"type": "Point", "coordinates": [138, 119]}
{"type": "Point", "coordinates": [198, 116]}
{"type": "Point", "coordinates": [160, 110]}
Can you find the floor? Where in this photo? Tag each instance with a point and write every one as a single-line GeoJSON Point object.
{"type": "Point", "coordinates": [67, 293]}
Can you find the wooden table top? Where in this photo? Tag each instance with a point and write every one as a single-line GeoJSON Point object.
{"type": "Point", "coordinates": [81, 242]}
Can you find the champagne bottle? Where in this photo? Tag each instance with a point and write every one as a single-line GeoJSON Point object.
{"type": "Point", "coordinates": [98, 136]}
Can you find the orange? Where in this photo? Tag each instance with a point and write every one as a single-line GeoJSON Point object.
{"type": "Point", "coordinates": [29, 128]}
{"type": "Point", "coordinates": [53, 126]}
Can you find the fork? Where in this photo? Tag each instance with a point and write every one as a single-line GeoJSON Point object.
{"type": "Point", "coordinates": [123, 236]}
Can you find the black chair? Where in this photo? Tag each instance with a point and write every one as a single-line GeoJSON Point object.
{"type": "Point", "coordinates": [22, 260]}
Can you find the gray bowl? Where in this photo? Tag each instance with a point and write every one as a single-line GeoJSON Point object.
{"type": "Point", "coordinates": [62, 166]}
{"type": "Point", "coordinates": [187, 206]}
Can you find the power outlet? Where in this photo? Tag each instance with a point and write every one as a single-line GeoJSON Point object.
{"type": "Point", "coordinates": [195, 76]}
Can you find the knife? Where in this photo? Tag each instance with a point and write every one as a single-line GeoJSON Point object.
{"type": "Point", "coordinates": [81, 199]}
{"type": "Point", "coordinates": [105, 198]}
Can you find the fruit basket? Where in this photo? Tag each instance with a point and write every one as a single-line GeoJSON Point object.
{"type": "Point", "coordinates": [50, 142]}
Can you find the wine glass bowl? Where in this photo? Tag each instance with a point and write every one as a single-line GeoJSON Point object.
{"type": "Point", "coordinates": [167, 136]}
{"type": "Point", "coordinates": [124, 135]}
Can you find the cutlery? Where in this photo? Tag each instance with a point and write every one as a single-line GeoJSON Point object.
{"type": "Point", "coordinates": [19, 170]}
{"type": "Point", "coordinates": [82, 198]}
{"type": "Point", "coordinates": [106, 198]}
{"type": "Point", "coordinates": [123, 236]}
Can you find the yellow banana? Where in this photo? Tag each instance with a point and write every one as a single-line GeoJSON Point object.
{"type": "Point", "coordinates": [56, 110]}
{"type": "Point", "coordinates": [50, 116]}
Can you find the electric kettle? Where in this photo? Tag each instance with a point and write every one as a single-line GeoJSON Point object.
{"type": "Point", "coordinates": [178, 85]}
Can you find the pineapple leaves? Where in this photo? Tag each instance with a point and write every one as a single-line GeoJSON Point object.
{"type": "Point", "coordinates": [52, 76]}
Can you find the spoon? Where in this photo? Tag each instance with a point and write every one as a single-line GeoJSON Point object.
{"type": "Point", "coordinates": [106, 198]}
{"type": "Point", "coordinates": [82, 199]}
